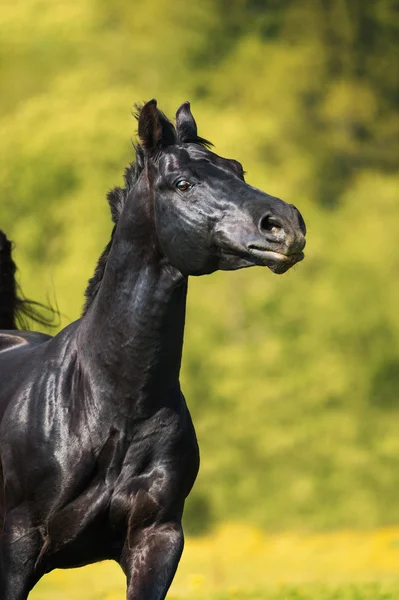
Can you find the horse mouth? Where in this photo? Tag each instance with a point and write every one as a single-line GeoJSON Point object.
{"type": "Point", "coordinates": [276, 261]}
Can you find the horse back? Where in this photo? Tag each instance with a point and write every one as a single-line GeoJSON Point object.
{"type": "Point", "coordinates": [11, 339]}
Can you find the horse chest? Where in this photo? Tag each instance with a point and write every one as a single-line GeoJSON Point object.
{"type": "Point", "coordinates": [138, 482]}
{"type": "Point", "coordinates": [158, 471]}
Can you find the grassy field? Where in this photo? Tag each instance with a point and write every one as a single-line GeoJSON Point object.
{"type": "Point", "coordinates": [303, 592]}
{"type": "Point", "coordinates": [241, 562]}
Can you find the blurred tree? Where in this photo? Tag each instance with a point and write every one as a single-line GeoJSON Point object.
{"type": "Point", "coordinates": [292, 381]}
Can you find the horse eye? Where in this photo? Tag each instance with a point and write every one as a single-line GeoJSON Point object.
{"type": "Point", "coordinates": [183, 185]}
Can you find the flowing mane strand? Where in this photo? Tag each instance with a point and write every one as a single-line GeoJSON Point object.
{"type": "Point", "coordinates": [16, 311]}
{"type": "Point", "coordinates": [117, 196]}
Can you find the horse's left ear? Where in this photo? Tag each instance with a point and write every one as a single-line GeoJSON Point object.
{"type": "Point", "coordinates": [155, 130]}
{"type": "Point", "coordinates": [187, 127]}
{"type": "Point", "coordinates": [185, 124]}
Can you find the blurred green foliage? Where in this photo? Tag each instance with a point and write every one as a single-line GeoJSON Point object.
{"type": "Point", "coordinates": [292, 381]}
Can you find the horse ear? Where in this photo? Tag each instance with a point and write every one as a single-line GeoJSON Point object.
{"type": "Point", "coordinates": [185, 124]}
{"type": "Point", "coordinates": [154, 129]}
{"type": "Point", "coordinates": [187, 127]}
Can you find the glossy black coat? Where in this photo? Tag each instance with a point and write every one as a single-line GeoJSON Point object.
{"type": "Point", "coordinates": [98, 450]}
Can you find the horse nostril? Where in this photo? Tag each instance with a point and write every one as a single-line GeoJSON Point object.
{"type": "Point", "coordinates": [270, 224]}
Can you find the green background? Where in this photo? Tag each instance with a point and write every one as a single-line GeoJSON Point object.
{"type": "Point", "coordinates": [292, 380]}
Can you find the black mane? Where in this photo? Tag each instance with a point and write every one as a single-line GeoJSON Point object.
{"type": "Point", "coordinates": [117, 198]}
{"type": "Point", "coordinates": [16, 311]}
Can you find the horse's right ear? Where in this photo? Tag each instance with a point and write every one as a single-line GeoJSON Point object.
{"type": "Point", "coordinates": [155, 130]}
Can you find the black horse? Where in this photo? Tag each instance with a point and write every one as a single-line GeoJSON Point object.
{"type": "Point", "coordinates": [98, 451]}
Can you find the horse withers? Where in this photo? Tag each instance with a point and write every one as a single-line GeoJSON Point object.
{"type": "Point", "coordinates": [98, 450]}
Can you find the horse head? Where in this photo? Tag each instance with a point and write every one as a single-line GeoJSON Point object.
{"type": "Point", "coordinates": [206, 216]}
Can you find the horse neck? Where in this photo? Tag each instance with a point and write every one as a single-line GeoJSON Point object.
{"type": "Point", "coordinates": [133, 332]}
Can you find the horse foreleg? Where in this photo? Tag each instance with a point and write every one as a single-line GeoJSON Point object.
{"type": "Point", "coordinates": [150, 560]}
{"type": "Point", "coordinates": [19, 549]}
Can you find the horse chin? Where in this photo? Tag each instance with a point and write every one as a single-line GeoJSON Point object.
{"type": "Point", "coordinates": [281, 268]}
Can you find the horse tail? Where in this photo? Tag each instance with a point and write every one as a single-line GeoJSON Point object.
{"type": "Point", "coordinates": [16, 311]}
